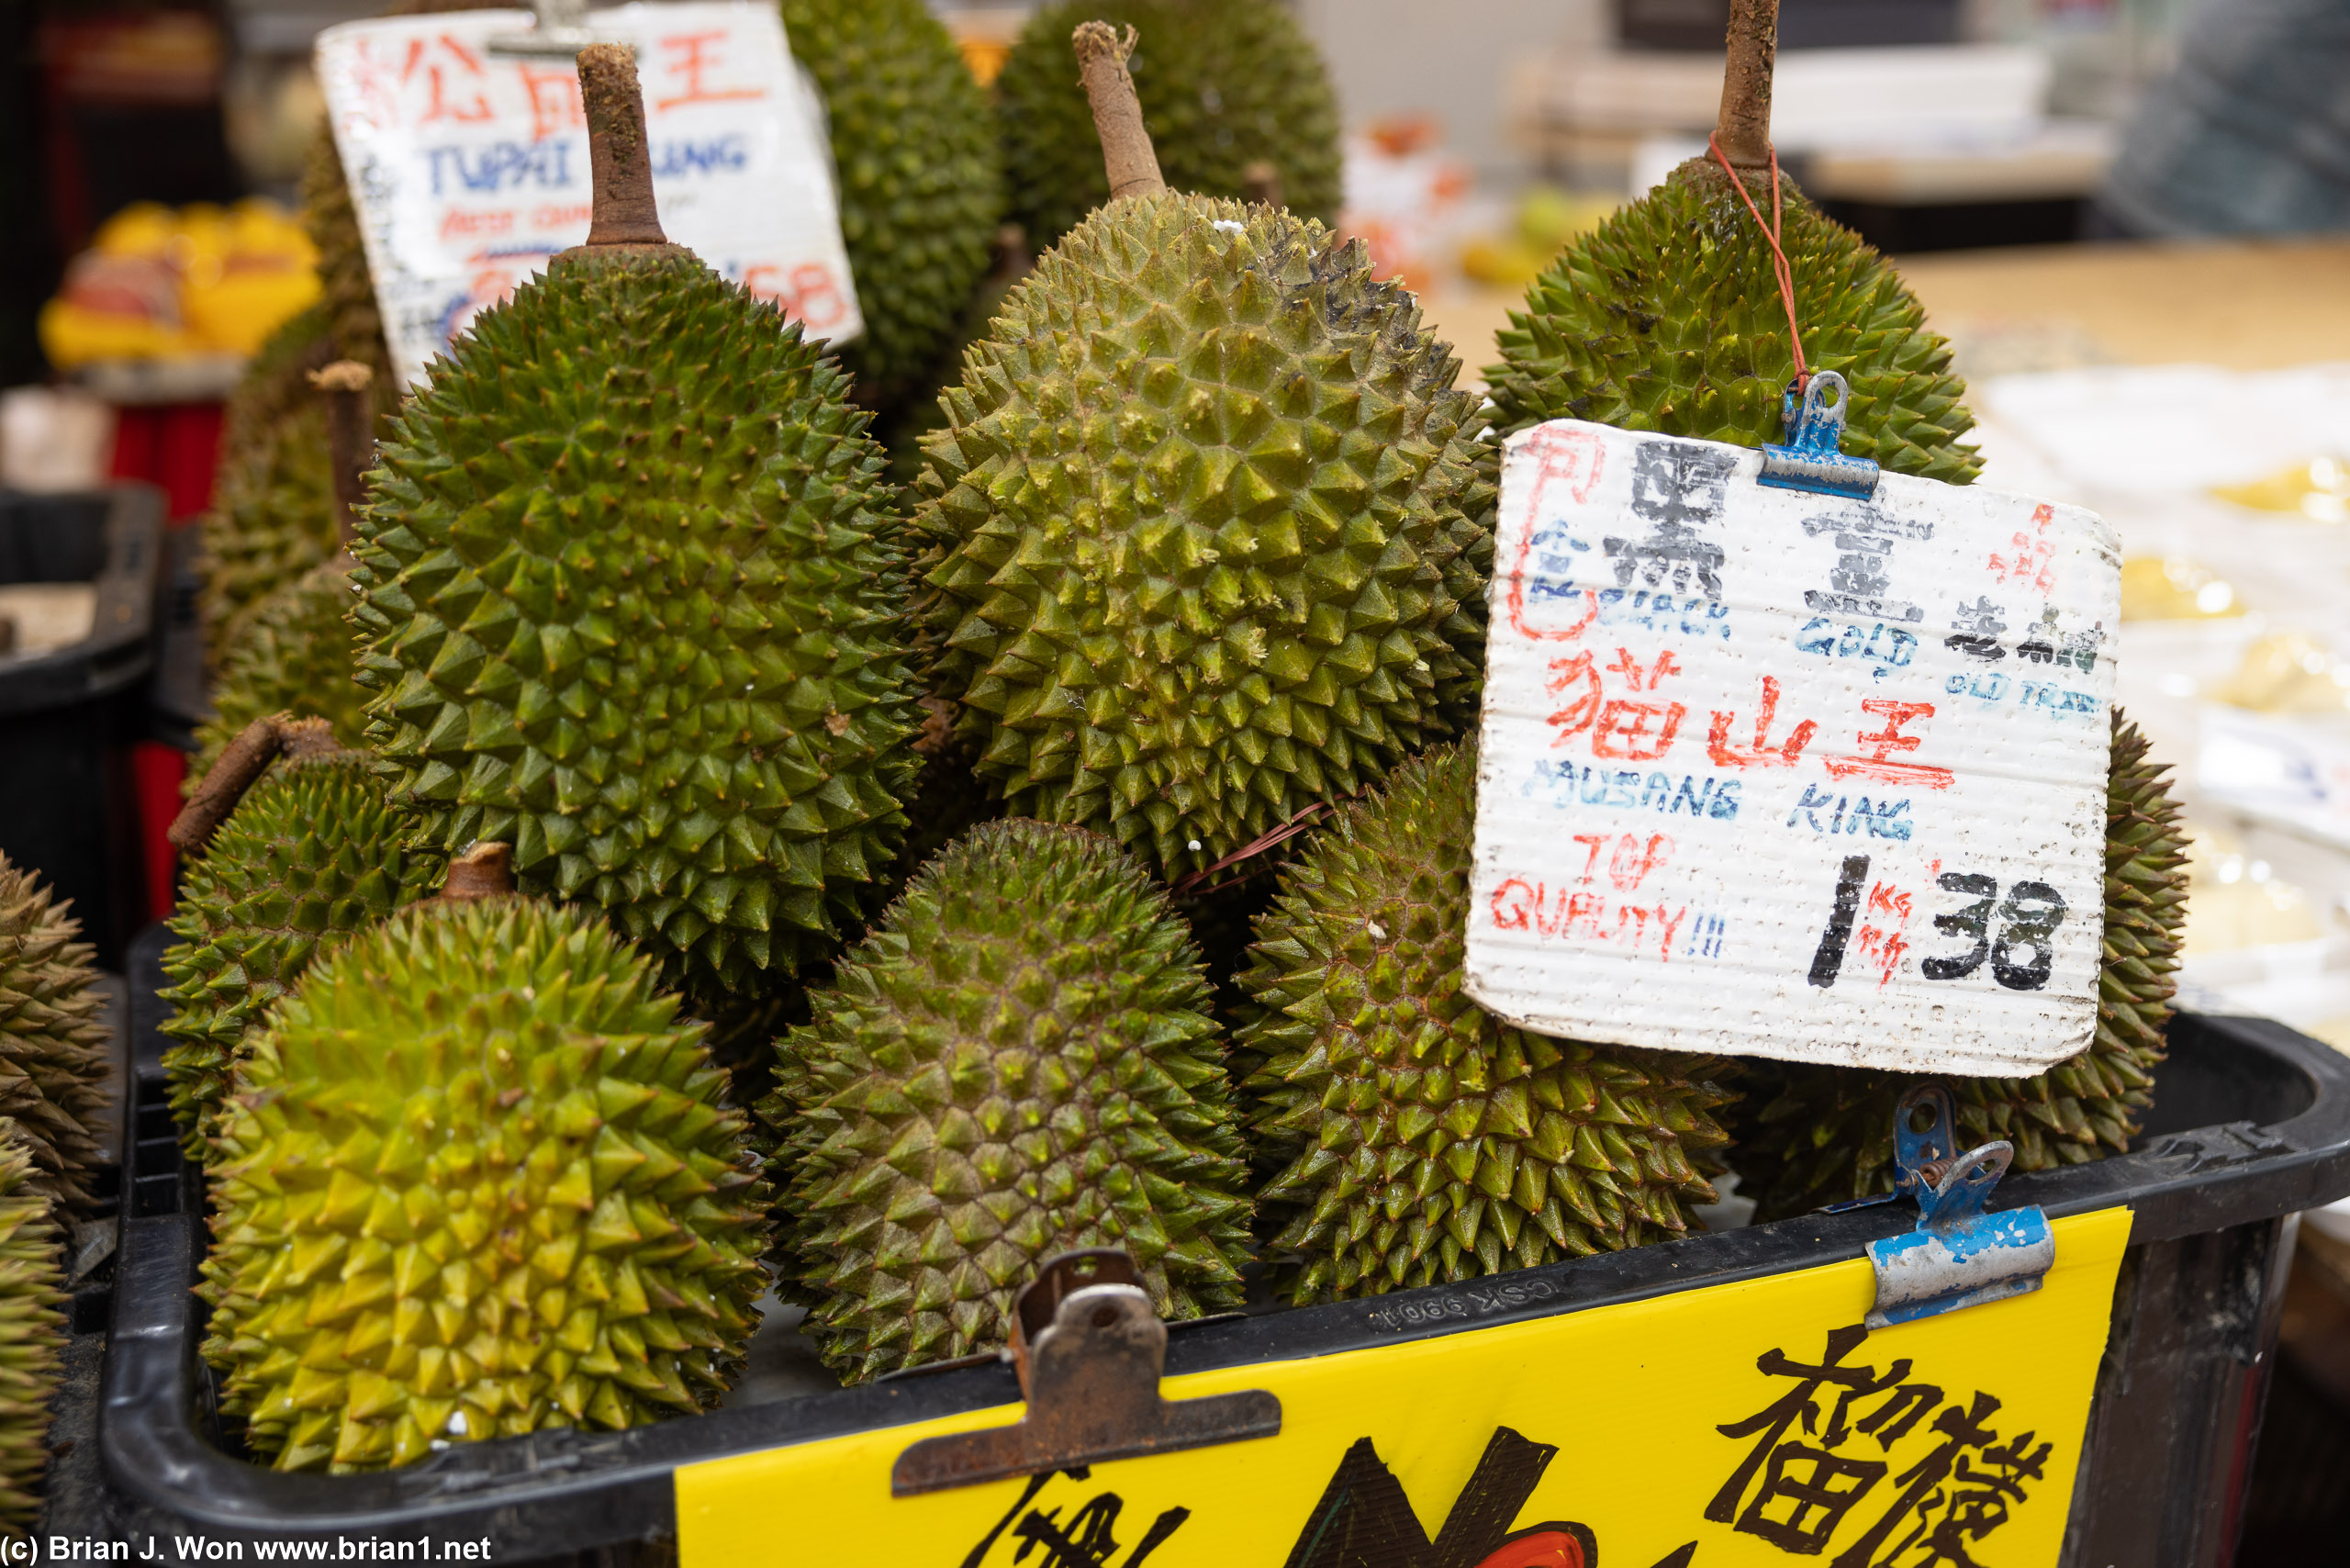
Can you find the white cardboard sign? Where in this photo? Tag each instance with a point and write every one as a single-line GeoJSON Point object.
{"type": "Point", "coordinates": [1784, 775]}
{"type": "Point", "coordinates": [469, 168]}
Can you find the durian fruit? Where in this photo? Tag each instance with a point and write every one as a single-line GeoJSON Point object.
{"type": "Point", "coordinates": [631, 600]}
{"type": "Point", "coordinates": [474, 1181]}
{"type": "Point", "coordinates": [1824, 1135]}
{"type": "Point", "coordinates": [294, 653]}
{"type": "Point", "coordinates": [32, 1330]}
{"type": "Point", "coordinates": [311, 855]}
{"type": "Point", "coordinates": [53, 1043]}
{"type": "Point", "coordinates": [272, 516]}
{"type": "Point", "coordinates": [1017, 1061]}
{"type": "Point", "coordinates": [921, 189]}
{"type": "Point", "coordinates": [346, 288]}
{"type": "Point", "coordinates": [1208, 527]}
{"type": "Point", "coordinates": [1668, 317]}
{"type": "Point", "coordinates": [1225, 85]}
{"type": "Point", "coordinates": [1426, 1140]}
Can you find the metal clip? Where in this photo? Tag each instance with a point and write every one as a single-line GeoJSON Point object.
{"type": "Point", "coordinates": [561, 30]}
{"type": "Point", "coordinates": [1814, 458]}
{"type": "Point", "coordinates": [1089, 1349]}
{"type": "Point", "coordinates": [1958, 1256]}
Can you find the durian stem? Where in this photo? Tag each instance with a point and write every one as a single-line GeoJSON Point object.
{"type": "Point", "coordinates": [345, 384]}
{"type": "Point", "coordinates": [1743, 127]}
{"type": "Point", "coordinates": [1127, 151]}
{"type": "Point", "coordinates": [247, 757]}
{"type": "Point", "coordinates": [617, 158]}
{"type": "Point", "coordinates": [483, 871]}
{"type": "Point", "coordinates": [1262, 182]}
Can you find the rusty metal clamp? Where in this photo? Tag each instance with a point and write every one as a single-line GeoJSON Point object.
{"type": "Point", "coordinates": [1089, 1349]}
{"type": "Point", "coordinates": [1958, 1256]}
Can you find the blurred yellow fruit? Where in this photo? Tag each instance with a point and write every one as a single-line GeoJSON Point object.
{"type": "Point", "coordinates": [158, 284]}
{"type": "Point", "coordinates": [2173, 588]}
{"type": "Point", "coordinates": [2318, 490]}
{"type": "Point", "coordinates": [2287, 672]}
{"type": "Point", "coordinates": [1547, 219]}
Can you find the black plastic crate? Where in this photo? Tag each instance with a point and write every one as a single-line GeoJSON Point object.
{"type": "Point", "coordinates": [2252, 1124]}
{"type": "Point", "coordinates": [68, 717]}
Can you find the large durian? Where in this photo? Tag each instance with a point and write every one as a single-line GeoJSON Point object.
{"type": "Point", "coordinates": [1016, 1062]}
{"type": "Point", "coordinates": [1208, 526]}
{"type": "Point", "coordinates": [32, 1330]}
{"type": "Point", "coordinates": [921, 190]}
{"type": "Point", "coordinates": [474, 1181]}
{"type": "Point", "coordinates": [1427, 1141]}
{"type": "Point", "coordinates": [311, 855]}
{"type": "Point", "coordinates": [1669, 317]}
{"type": "Point", "coordinates": [1227, 86]}
{"type": "Point", "coordinates": [1824, 1135]}
{"type": "Point", "coordinates": [53, 1043]}
{"type": "Point", "coordinates": [631, 597]}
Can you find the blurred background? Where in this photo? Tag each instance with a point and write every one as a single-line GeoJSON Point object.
{"type": "Point", "coordinates": [2131, 216]}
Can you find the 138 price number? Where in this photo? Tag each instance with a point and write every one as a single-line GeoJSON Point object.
{"type": "Point", "coordinates": [2017, 932]}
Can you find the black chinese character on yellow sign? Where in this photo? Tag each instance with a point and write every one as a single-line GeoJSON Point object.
{"type": "Point", "coordinates": [1823, 1448]}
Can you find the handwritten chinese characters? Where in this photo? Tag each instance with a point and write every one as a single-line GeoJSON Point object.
{"type": "Point", "coordinates": [470, 168]}
{"type": "Point", "coordinates": [1829, 708]}
{"type": "Point", "coordinates": [1869, 1467]}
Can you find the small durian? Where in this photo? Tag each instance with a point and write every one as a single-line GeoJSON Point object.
{"type": "Point", "coordinates": [312, 854]}
{"type": "Point", "coordinates": [1208, 525]}
{"type": "Point", "coordinates": [32, 1331]}
{"type": "Point", "coordinates": [294, 653]}
{"type": "Point", "coordinates": [1669, 317]}
{"type": "Point", "coordinates": [1017, 1061]}
{"type": "Point", "coordinates": [1236, 94]}
{"type": "Point", "coordinates": [630, 598]}
{"type": "Point", "coordinates": [474, 1181]}
{"type": "Point", "coordinates": [1427, 1141]}
{"type": "Point", "coordinates": [272, 497]}
{"type": "Point", "coordinates": [354, 323]}
{"type": "Point", "coordinates": [53, 1043]}
{"type": "Point", "coordinates": [1824, 1135]}
{"type": "Point", "coordinates": [920, 187]}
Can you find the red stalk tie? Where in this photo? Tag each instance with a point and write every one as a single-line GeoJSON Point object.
{"type": "Point", "coordinates": [1778, 255]}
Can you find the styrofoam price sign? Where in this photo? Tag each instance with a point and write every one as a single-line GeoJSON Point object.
{"type": "Point", "coordinates": [469, 168]}
{"type": "Point", "coordinates": [1788, 775]}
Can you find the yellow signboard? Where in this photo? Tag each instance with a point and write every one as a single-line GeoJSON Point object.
{"type": "Point", "coordinates": [1751, 1425]}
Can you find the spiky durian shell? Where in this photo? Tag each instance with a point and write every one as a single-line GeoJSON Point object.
{"type": "Point", "coordinates": [474, 1181]}
{"type": "Point", "coordinates": [32, 1327]}
{"type": "Point", "coordinates": [1016, 1062]}
{"type": "Point", "coordinates": [1426, 1140]}
{"type": "Point", "coordinates": [1209, 529]}
{"type": "Point", "coordinates": [631, 603]}
{"type": "Point", "coordinates": [54, 1044]}
{"type": "Point", "coordinates": [1668, 318]}
{"type": "Point", "coordinates": [1224, 84]}
{"type": "Point", "coordinates": [1824, 1135]}
{"type": "Point", "coordinates": [346, 287]}
{"type": "Point", "coordinates": [312, 854]}
{"type": "Point", "coordinates": [273, 503]}
{"type": "Point", "coordinates": [921, 186]}
{"type": "Point", "coordinates": [293, 656]}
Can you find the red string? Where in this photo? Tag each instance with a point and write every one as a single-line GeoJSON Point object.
{"type": "Point", "coordinates": [1779, 256]}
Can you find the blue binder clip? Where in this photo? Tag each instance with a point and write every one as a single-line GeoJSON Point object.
{"type": "Point", "coordinates": [1958, 1256]}
{"type": "Point", "coordinates": [1814, 458]}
